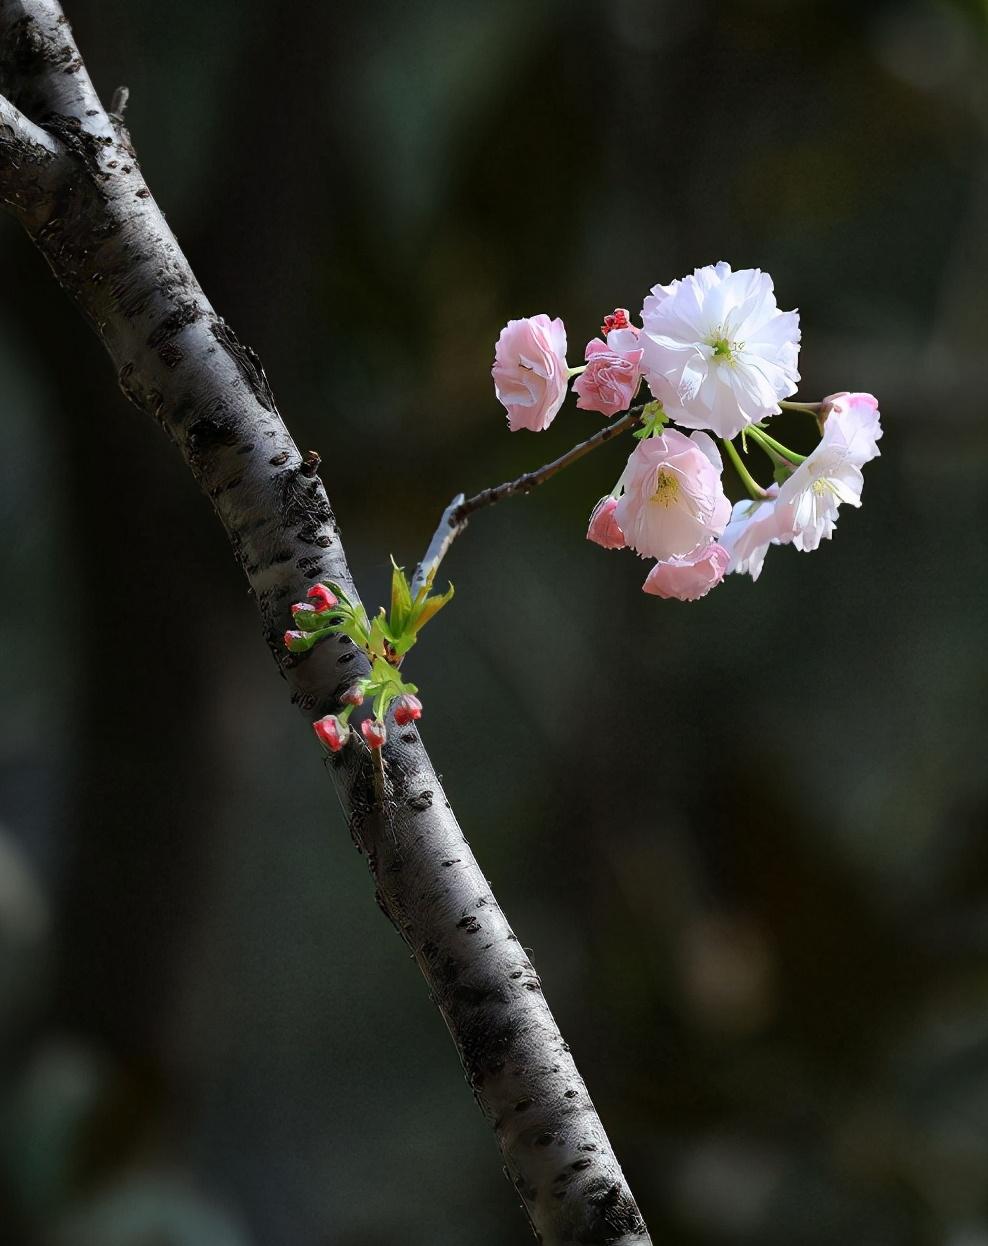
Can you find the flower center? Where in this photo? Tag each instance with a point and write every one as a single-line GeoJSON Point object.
{"type": "Point", "coordinates": [722, 349]}
{"type": "Point", "coordinates": [822, 485]}
{"type": "Point", "coordinates": [666, 488]}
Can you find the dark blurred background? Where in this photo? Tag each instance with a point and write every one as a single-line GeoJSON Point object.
{"type": "Point", "coordinates": [745, 839]}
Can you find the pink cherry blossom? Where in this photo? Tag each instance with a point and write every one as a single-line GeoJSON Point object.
{"type": "Point", "coordinates": [859, 420]}
{"type": "Point", "coordinates": [530, 372]}
{"type": "Point", "coordinates": [688, 579]}
{"type": "Point", "coordinates": [610, 380]}
{"type": "Point", "coordinates": [810, 498]}
{"type": "Point", "coordinates": [753, 528]}
{"type": "Point", "coordinates": [673, 502]}
{"type": "Point", "coordinates": [604, 528]}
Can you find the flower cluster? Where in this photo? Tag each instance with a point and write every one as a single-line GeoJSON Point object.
{"type": "Point", "coordinates": [719, 357]}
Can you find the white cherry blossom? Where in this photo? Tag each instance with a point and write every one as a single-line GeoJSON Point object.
{"type": "Point", "coordinates": [718, 352]}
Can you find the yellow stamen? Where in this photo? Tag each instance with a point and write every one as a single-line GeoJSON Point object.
{"type": "Point", "coordinates": [666, 488]}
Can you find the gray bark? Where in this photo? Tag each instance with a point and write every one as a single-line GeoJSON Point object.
{"type": "Point", "coordinates": [68, 171]}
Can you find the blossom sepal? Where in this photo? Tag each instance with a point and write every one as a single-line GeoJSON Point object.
{"type": "Point", "coordinates": [301, 642]}
{"type": "Point", "coordinates": [653, 420]}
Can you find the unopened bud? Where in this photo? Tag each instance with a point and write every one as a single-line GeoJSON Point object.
{"type": "Point", "coordinates": [321, 597]}
{"type": "Point", "coordinates": [353, 696]}
{"type": "Point", "coordinates": [303, 607]}
{"type": "Point", "coordinates": [619, 320]}
{"type": "Point", "coordinates": [331, 732]}
{"type": "Point", "coordinates": [374, 732]}
{"type": "Point", "coordinates": [407, 709]}
{"type": "Point", "coordinates": [296, 642]}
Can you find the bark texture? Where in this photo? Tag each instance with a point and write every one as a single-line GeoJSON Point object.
{"type": "Point", "coordinates": [68, 171]}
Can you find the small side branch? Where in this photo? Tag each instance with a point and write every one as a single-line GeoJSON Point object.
{"type": "Point", "coordinates": [27, 156]}
{"type": "Point", "coordinates": [42, 68]}
{"type": "Point", "coordinates": [455, 516]}
{"type": "Point", "coordinates": [16, 128]}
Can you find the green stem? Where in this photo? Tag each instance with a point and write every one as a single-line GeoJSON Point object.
{"type": "Point", "coordinates": [749, 482]}
{"type": "Point", "coordinates": [811, 408]}
{"type": "Point", "coordinates": [790, 457]}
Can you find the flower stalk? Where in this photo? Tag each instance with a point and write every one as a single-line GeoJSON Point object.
{"type": "Point", "coordinates": [750, 483]}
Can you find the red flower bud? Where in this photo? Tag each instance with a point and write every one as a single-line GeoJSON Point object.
{"type": "Point", "coordinates": [374, 732]}
{"type": "Point", "coordinates": [303, 607]}
{"type": "Point", "coordinates": [353, 696]}
{"type": "Point", "coordinates": [331, 732]}
{"type": "Point", "coordinates": [321, 597]}
{"type": "Point", "coordinates": [619, 320]}
{"type": "Point", "coordinates": [297, 642]}
{"type": "Point", "coordinates": [407, 709]}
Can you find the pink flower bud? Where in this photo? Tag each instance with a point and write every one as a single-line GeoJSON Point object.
{"type": "Point", "coordinates": [374, 732]}
{"type": "Point", "coordinates": [296, 642]}
{"type": "Point", "coordinates": [689, 579]}
{"type": "Point", "coordinates": [610, 380]}
{"type": "Point", "coordinates": [302, 607]}
{"type": "Point", "coordinates": [321, 597]}
{"type": "Point", "coordinates": [353, 696]}
{"type": "Point", "coordinates": [407, 709]}
{"type": "Point", "coordinates": [331, 732]}
{"type": "Point", "coordinates": [604, 529]}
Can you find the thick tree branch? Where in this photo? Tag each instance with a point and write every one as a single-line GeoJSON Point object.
{"type": "Point", "coordinates": [111, 250]}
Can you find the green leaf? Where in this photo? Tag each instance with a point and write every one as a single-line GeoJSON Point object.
{"type": "Point", "coordinates": [428, 608]}
{"type": "Point", "coordinates": [376, 639]}
{"type": "Point", "coordinates": [401, 599]}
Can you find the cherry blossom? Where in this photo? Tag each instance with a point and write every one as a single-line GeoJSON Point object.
{"type": "Point", "coordinates": [754, 526]}
{"type": "Point", "coordinates": [603, 527]}
{"type": "Point", "coordinates": [831, 475]}
{"type": "Point", "coordinates": [688, 579]}
{"type": "Point", "coordinates": [719, 353]}
{"type": "Point", "coordinates": [610, 379]}
{"type": "Point", "coordinates": [530, 372]}
{"type": "Point", "coordinates": [673, 501]}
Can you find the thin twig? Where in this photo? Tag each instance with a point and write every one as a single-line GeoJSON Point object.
{"type": "Point", "coordinates": [118, 105]}
{"type": "Point", "coordinates": [457, 513]}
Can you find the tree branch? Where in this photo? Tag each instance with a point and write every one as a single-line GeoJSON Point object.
{"type": "Point", "coordinates": [111, 250]}
{"type": "Point", "coordinates": [455, 516]}
{"type": "Point", "coordinates": [27, 158]}
{"type": "Point", "coordinates": [42, 72]}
